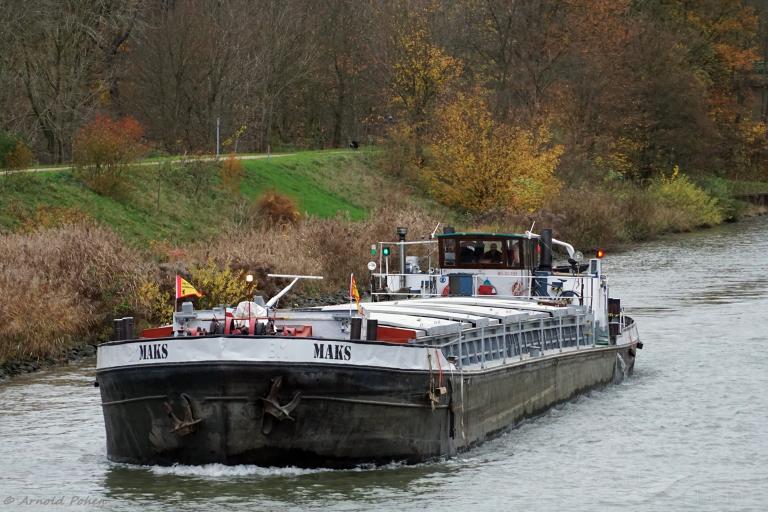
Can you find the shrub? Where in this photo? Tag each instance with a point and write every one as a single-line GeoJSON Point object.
{"type": "Point", "coordinates": [14, 153]}
{"type": "Point", "coordinates": [153, 304]}
{"type": "Point", "coordinates": [232, 174]}
{"type": "Point", "coordinates": [20, 157]}
{"type": "Point", "coordinates": [104, 149]}
{"type": "Point", "coordinates": [47, 217]}
{"type": "Point", "coordinates": [220, 284]}
{"type": "Point", "coordinates": [277, 208]}
{"type": "Point", "coordinates": [193, 174]}
{"type": "Point", "coordinates": [588, 217]}
{"type": "Point", "coordinates": [722, 190]}
{"type": "Point", "coordinates": [402, 155]}
{"type": "Point", "coordinates": [683, 204]}
{"type": "Point", "coordinates": [332, 248]}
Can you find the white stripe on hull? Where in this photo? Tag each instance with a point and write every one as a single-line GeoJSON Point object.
{"type": "Point", "coordinates": [269, 350]}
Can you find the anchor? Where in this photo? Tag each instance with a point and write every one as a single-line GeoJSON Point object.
{"type": "Point", "coordinates": [273, 409]}
{"type": "Point", "coordinates": [188, 424]}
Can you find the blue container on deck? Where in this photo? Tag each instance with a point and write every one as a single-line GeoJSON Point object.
{"type": "Point", "coordinates": [460, 285]}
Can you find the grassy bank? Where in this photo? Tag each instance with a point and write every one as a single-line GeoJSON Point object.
{"type": "Point", "coordinates": [73, 259]}
{"type": "Point", "coordinates": [180, 203]}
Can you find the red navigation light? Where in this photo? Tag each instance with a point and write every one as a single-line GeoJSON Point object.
{"type": "Point", "coordinates": [600, 253]}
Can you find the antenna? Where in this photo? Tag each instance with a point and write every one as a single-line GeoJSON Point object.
{"type": "Point", "coordinates": [435, 231]}
{"type": "Point", "coordinates": [282, 292]}
{"type": "Point", "coordinates": [530, 232]}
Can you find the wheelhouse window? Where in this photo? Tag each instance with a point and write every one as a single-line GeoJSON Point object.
{"type": "Point", "coordinates": [532, 252]}
{"type": "Point", "coordinates": [515, 254]}
{"type": "Point", "coordinates": [482, 252]}
{"type": "Point", "coordinates": [448, 252]}
{"type": "Point", "coordinates": [498, 252]}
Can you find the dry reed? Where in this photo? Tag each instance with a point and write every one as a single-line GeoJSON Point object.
{"type": "Point", "coordinates": [59, 287]}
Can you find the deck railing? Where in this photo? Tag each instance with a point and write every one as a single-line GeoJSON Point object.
{"type": "Point", "coordinates": [496, 344]}
{"type": "Point", "coordinates": [575, 289]}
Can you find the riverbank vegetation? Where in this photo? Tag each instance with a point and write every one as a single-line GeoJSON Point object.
{"type": "Point", "coordinates": [611, 121]}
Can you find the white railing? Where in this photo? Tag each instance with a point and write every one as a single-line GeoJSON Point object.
{"type": "Point", "coordinates": [575, 289]}
{"type": "Point", "coordinates": [498, 344]}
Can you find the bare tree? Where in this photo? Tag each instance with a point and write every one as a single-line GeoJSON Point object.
{"type": "Point", "coordinates": [58, 53]}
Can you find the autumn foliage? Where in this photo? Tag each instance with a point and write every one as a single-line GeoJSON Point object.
{"type": "Point", "coordinates": [277, 208]}
{"type": "Point", "coordinates": [232, 174]}
{"type": "Point", "coordinates": [104, 149]}
{"type": "Point", "coordinates": [14, 153]}
{"type": "Point", "coordinates": [422, 71]}
{"type": "Point", "coordinates": [482, 165]}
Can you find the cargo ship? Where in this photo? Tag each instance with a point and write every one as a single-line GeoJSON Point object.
{"type": "Point", "coordinates": [439, 360]}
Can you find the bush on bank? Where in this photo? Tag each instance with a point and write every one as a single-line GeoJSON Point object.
{"type": "Point", "coordinates": [592, 218]}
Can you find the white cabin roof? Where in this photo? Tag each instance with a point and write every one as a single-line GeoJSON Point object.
{"type": "Point", "coordinates": [394, 308]}
{"type": "Point", "coordinates": [518, 304]}
{"type": "Point", "coordinates": [431, 326]}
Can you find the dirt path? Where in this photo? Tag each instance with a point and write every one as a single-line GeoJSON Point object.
{"type": "Point", "coordinates": [158, 162]}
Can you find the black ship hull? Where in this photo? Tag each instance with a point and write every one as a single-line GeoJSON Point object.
{"type": "Point", "coordinates": [332, 415]}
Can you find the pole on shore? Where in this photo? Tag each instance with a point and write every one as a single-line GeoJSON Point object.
{"type": "Point", "coordinates": [218, 137]}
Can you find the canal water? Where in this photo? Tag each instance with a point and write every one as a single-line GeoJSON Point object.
{"type": "Point", "coordinates": [688, 432]}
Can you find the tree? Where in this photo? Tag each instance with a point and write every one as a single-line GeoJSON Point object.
{"type": "Point", "coordinates": [516, 48]}
{"type": "Point", "coordinates": [482, 165]}
{"type": "Point", "coordinates": [103, 150]}
{"type": "Point", "coordinates": [421, 70]}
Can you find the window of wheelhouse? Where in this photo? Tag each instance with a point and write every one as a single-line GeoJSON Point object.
{"type": "Point", "coordinates": [448, 252]}
{"type": "Point", "coordinates": [473, 252]}
{"type": "Point", "coordinates": [515, 253]}
{"type": "Point", "coordinates": [532, 252]}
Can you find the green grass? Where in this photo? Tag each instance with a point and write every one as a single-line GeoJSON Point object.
{"type": "Point", "coordinates": [323, 184]}
{"type": "Point", "coordinates": [165, 203]}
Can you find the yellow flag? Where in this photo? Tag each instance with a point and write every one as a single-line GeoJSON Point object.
{"type": "Point", "coordinates": [184, 289]}
{"type": "Point", "coordinates": [354, 294]}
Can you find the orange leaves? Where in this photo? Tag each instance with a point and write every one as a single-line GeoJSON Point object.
{"type": "Point", "coordinates": [481, 165]}
{"type": "Point", "coordinates": [103, 149]}
{"type": "Point", "coordinates": [738, 59]}
{"type": "Point", "coordinates": [277, 208]}
{"type": "Point", "coordinates": [105, 142]}
{"type": "Point", "coordinates": [232, 174]}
